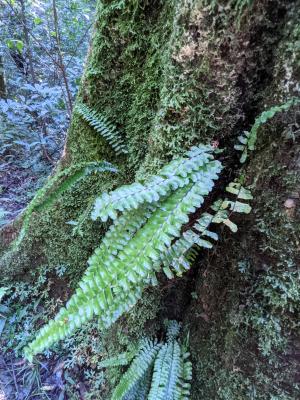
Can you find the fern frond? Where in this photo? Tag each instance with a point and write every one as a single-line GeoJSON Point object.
{"type": "Point", "coordinates": [158, 372]}
{"type": "Point", "coordinates": [105, 128]}
{"type": "Point", "coordinates": [167, 372]}
{"type": "Point", "coordinates": [141, 389]}
{"type": "Point", "coordinates": [177, 258]}
{"type": "Point", "coordinates": [184, 385]}
{"type": "Point", "coordinates": [139, 367]}
{"type": "Point", "coordinates": [56, 186]}
{"type": "Point", "coordinates": [248, 139]}
{"type": "Point", "coordinates": [119, 360]}
{"type": "Point", "coordinates": [173, 329]}
{"type": "Point", "coordinates": [178, 173]}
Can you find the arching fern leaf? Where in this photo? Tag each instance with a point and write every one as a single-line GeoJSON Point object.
{"type": "Point", "coordinates": [56, 186]}
{"type": "Point", "coordinates": [104, 127]}
{"type": "Point", "coordinates": [248, 139]}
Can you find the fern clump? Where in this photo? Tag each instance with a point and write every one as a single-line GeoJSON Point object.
{"type": "Point", "coordinates": [129, 256]}
{"type": "Point", "coordinates": [147, 237]}
{"type": "Point", "coordinates": [159, 371]}
{"type": "Point", "coordinates": [103, 126]}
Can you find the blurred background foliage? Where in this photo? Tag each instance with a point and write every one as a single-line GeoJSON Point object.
{"type": "Point", "coordinates": [42, 49]}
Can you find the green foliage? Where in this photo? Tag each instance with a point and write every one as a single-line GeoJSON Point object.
{"type": "Point", "coordinates": [141, 240]}
{"type": "Point", "coordinates": [248, 139]}
{"type": "Point", "coordinates": [103, 127]}
{"type": "Point", "coordinates": [129, 255]}
{"type": "Point", "coordinates": [33, 117]}
{"type": "Point", "coordinates": [51, 191]}
{"type": "Point", "coordinates": [180, 254]}
{"type": "Point", "coordinates": [159, 371]}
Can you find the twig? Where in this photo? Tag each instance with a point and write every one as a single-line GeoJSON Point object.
{"type": "Point", "coordinates": [60, 57]}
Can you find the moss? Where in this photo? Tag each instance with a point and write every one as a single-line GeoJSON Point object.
{"type": "Point", "coordinates": [170, 75]}
{"type": "Point", "coordinates": [244, 324]}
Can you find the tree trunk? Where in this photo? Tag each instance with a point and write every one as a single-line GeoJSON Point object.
{"type": "Point", "coordinates": [2, 79]}
{"type": "Point", "coordinates": [27, 41]}
{"type": "Point", "coordinates": [172, 74]}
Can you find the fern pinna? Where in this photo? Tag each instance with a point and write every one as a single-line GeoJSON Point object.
{"type": "Point", "coordinates": [159, 371]}
{"type": "Point", "coordinates": [145, 237]}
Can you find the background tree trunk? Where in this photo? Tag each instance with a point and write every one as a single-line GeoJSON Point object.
{"type": "Point", "coordinates": [2, 79]}
{"type": "Point", "coordinates": [27, 41]}
{"type": "Point", "coordinates": [172, 74]}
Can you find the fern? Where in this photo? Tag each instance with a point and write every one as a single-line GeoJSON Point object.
{"type": "Point", "coordinates": [126, 261]}
{"type": "Point", "coordinates": [248, 139]}
{"type": "Point", "coordinates": [147, 236]}
{"type": "Point", "coordinates": [103, 127]}
{"type": "Point", "coordinates": [178, 257]}
{"type": "Point", "coordinates": [177, 174]}
{"type": "Point", "coordinates": [160, 371]}
{"type": "Point", "coordinates": [121, 359]}
{"type": "Point", "coordinates": [51, 191]}
{"type": "Point", "coordinates": [138, 369]}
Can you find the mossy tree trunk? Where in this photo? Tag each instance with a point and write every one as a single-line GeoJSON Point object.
{"type": "Point", "coordinates": [172, 74]}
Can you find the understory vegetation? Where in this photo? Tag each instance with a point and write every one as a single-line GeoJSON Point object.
{"type": "Point", "coordinates": [40, 72]}
{"type": "Point", "coordinates": [149, 203]}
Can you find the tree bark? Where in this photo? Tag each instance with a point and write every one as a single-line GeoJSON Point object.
{"type": "Point", "coordinates": [3, 93]}
{"type": "Point", "coordinates": [170, 75]}
{"type": "Point", "coordinates": [27, 41]}
{"type": "Point", "coordinates": [60, 59]}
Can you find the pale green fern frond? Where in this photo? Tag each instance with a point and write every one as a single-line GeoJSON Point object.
{"type": "Point", "coordinates": [119, 360]}
{"type": "Point", "coordinates": [103, 126]}
{"type": "Point", "coordinates": [178, 257]}
{"type": "Point", "coordinates": [186, 377]}
{"type": "Point", "coordinates": [167, 373]}
{"type": "Point", "coordinates": [173, 329]}
{"type": "Point", "coordinates": [178, 173]}
{"type": "Point", "coordinates": [115, 282]}
{"type": "Point", "coordinates": [141, 389]}
{"type": "Point", "coordinates": [160, 371]}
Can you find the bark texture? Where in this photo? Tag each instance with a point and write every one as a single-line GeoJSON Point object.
{"type": "Point", "coordinates": [2, 79]}
{"type": "Point", "coordinates": [171, 74]}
